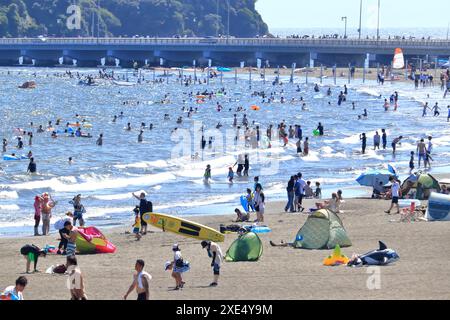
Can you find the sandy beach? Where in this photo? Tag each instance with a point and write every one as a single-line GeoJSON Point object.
{"type": "Point", "coordinates": [281, 273]}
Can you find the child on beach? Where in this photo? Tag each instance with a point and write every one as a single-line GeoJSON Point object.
{"type": "Point", "coordinates": [137, 223]}
{"type": "Point", "coordinates": [250, 200]}
{"type": "Point", "coordinates": [411, 163]}
{"type": "Point", "coordinates": [207, 175]}
{"type": "Point", "coordinates": [318, 192]}
{"type": "Point", "coordinates": [230, 174]}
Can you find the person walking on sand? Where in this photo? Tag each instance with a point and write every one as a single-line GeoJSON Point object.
{"type": "Point", "coordinates": [178, 266]}
{"type": "Point", "coordinates": [15, 292]}
{"type": "Point", "coordinates": [141, 282]}
{"type": "Point", "coordinates": [395, 195]}
{"type": "Point", "coordinates": [37, 214]}
{"type": "Point", "coordinates": [259, 201]}
{"type": "Point", "coordinates": [76, 279]}
{"type": "Point", "coordinates": [291, 195]}
{"type": "Point", "coordinates": [216, 254]}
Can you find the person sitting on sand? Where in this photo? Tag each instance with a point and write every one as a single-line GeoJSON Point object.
{"type": "Point", "coordinates": [141, 281]}
{"type": "Point", "coordinates": [241, 217]}
{"type": "Point", "coordinates": [444, 189]}
{"type": "Point", "coordinates": [378, 191]}
{"type": "Point", "coordinates": [32, 253]}
{"type": "Point", "coordinates": [332, 204]}
{"type": "Point", "coordinates": [15, 292]}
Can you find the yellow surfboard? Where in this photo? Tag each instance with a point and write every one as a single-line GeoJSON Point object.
{"type": "Point", "coordinates": [183, 227]}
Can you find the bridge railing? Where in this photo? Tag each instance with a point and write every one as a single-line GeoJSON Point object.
{"type": "Point", "coordinates": [224, 42]}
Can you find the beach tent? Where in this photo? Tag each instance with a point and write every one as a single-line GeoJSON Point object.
{"type": "Point", "coordinates": [322, 230]}
{"type": "Point", "coordinates": [248, 247]}
{"type": "Point", "coordinates": [91, 241]}
{"type": "Point", "coordinates": [423, 183]}
{"type": "Point", "coordinates": [438, 207]}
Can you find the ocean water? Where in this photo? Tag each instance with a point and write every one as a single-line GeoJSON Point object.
{"type": "Point", "coordinates": [106, 176]}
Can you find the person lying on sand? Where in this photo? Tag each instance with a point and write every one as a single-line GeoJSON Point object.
{"type": "Point", "coordinates": [281, 244]}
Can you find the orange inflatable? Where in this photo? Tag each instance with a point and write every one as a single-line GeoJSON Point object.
{"type": "Point", "coordinates": [255, 108]}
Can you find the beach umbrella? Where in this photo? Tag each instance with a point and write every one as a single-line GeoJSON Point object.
{"type": "Point", "coordinates": [392, 169]}
{"type": "Point", "coordinates": [371, 178]}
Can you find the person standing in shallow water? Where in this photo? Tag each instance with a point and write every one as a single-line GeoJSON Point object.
{"type": "Point", "coordinates": [100, 140]}
{"type": "Point", "coordinates": [363, 139]}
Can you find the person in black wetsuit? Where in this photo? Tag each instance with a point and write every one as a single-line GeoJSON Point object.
{"type": "Point", "coordinates": [363, 139]}
{"type": "Point", "coordinates": [320, 128]}
{"type": "Point", "coordinates": [145, 206]}
{"type": "Point", "coordinates": [32, 166]}
{"type": "Point", "coordinates": [32, 253]}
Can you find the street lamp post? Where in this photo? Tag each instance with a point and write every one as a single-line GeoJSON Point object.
{"type": "Point", "coordinates": [345, 33]}
{"type": "Point", "coordinates": [378, 22]}
{"type": "Point", "coordinates": [360, 18]}
{"type": "Point", "coordinates": [217, 15]}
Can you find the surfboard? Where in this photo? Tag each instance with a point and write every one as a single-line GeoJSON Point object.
{"type": "Point", "coordinates": [244, 203]}
{"type": "Point", "coordinates": [183, 227]}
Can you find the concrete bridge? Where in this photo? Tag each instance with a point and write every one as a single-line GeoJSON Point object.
{"type": "Point", "coordinates": [89, 52]}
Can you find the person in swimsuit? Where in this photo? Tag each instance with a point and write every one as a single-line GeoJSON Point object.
{"type": "Point", "coordinates": [71, 238]}
{"type": "Point", "coordinates": [421, 150]}
{"type": "Point", "coordinates": [37, 214]}
{"type": "Point", "coordinates": [78, 210]}
{"type": "Point", "coordinates": [47, 205]}
{"type": "Point", "coordinates": [141, 281]}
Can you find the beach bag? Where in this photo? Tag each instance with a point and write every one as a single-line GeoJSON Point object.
{"type": "Point", "coordinates": [61, 269]}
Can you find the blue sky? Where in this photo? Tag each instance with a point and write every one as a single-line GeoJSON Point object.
{"type": "Point", "coordinates": [328, 13]}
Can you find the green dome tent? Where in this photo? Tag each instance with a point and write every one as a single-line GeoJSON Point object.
{"type": "Point", "coordinates": [322, 230]}
{"type": "Point", "coordinates": [423, 183]}
{"type": "Point", "coordinates": [248, 247]}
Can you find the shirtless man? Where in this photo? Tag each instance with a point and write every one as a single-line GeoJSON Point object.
{"type": "Point", "coordinates": [71, 238]}
{"type": "Point", "coordinates": [421, 150]}
{"type": "Point", "coordinates": [141, 281]}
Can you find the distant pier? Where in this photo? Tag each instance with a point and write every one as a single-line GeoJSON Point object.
{"type": "Point", "coordinates": [90, 52]}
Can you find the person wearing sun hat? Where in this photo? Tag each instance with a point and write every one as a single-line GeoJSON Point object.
{"type": "Point", "coordinates": [178, 266]}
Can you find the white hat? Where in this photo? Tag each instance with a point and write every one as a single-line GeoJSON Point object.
{"type": "Point", "coordinates": [175, 246]}
{"type": "Point", "coordinates": [166, 265]}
